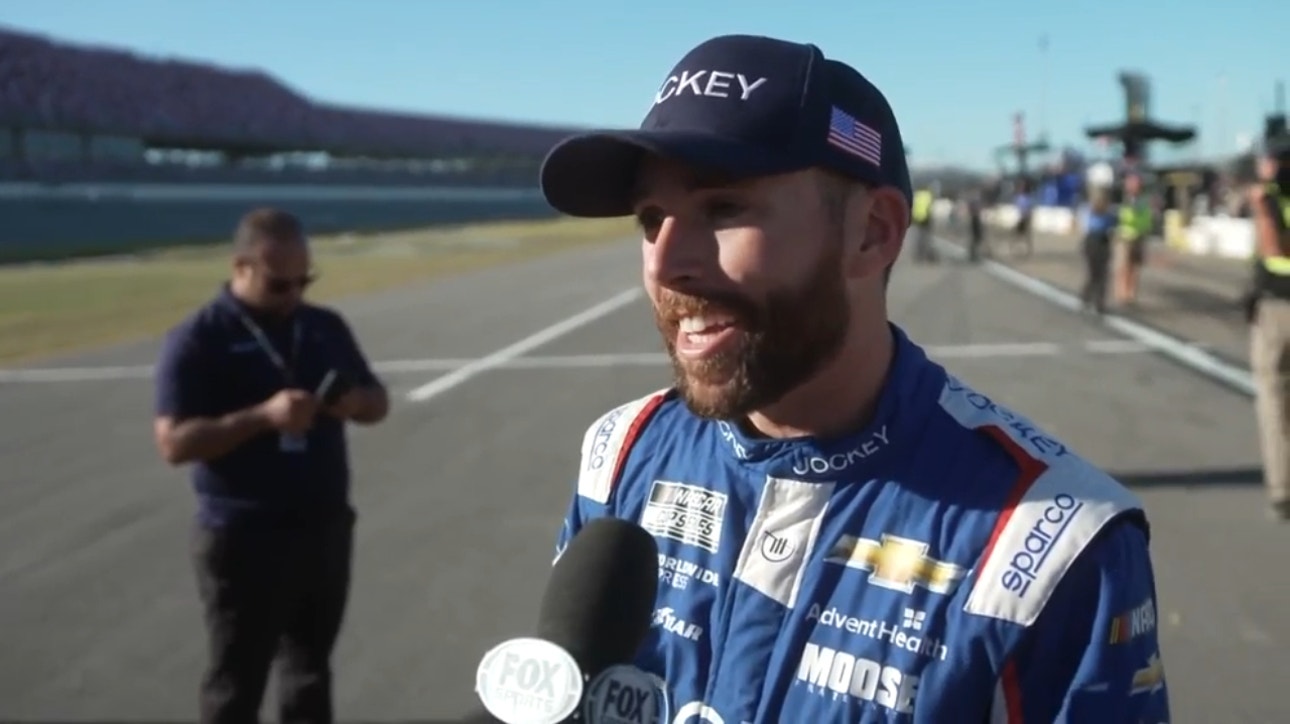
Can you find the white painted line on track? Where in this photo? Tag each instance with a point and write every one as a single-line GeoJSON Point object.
{"type": "Point", "coordinates": [583, 361]}
{"type": "Point", "coordinates": [1116, 346]}
{"type": "Point", "coordinates": [984, 351]}
{"type": "Point", "coordinates": [1183, 352]}
{"type": "Point", "coordinates": [397, 366]}
{"type": "Point", "coordinates": [1002, 350]}
{"type": "Point", "coordinates": [76, 374]}
{"type": "Point", "coordinates": [513, 351]}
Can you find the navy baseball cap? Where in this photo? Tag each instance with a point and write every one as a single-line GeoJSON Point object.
{"type": "Point", "coordinates": [743, 106]}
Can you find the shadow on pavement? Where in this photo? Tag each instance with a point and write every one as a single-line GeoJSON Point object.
{"type": "Point", "coordinates": [1201, 301]}
{"type": "Point", "coordinates": [1222, 477]}
{"type": "Point", "coordinates": [1003, 254]}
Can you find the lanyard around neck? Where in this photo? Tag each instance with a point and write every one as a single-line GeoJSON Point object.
{"type": "Point", "coordinates": [270, 351]}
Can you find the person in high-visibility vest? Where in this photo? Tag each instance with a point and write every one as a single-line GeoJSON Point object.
{"type": "Point", "coordinates": [1270, 327]}
{"type": "Point", "coordinates": [1136, 223]}
{"type": "Point", "coordinates": [921, 215]}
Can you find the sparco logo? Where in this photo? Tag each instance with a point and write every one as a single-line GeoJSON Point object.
{"type": "Point", "coordinates": [600, 441]}
{"type": "Point", "coordinates": [821, 464]}
{"type": "Point", "coordinates": [1027, 564]}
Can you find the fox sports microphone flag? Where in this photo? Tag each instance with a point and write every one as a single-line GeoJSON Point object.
{"type": "Point", "coordinates": [624, 694]}
{"type": "Point", "coordinates": [596, 611]}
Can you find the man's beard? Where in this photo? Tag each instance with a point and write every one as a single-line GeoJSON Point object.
{"type": "Point", "coordinates": [783, 342]}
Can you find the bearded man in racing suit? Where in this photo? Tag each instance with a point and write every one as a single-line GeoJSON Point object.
{"type": "Point", "coordinates": [847, 533]}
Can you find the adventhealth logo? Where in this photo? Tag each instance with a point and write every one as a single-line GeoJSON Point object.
{"type": "Point", "coordinates": [871, 628]}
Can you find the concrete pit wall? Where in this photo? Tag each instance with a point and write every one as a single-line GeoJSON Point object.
{"type": "Point", "coordinates": [44, 222]}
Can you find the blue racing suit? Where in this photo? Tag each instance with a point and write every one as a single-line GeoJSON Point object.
{"type": "Point", "coordinates": [949, 563]}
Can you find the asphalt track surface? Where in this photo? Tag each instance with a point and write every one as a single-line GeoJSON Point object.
{"type": "Point", "coordinates": [460, 495]}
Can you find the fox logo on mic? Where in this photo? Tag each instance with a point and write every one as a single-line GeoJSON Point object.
{"type": "Point", "coordinates": [529, 681]}
{"type": "Point", "coordinates": [624, 694]}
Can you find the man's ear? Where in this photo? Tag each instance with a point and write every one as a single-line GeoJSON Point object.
{"type": "Point", "coordinates": [882, 218]}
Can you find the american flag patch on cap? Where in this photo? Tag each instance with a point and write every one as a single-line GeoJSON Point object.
{"type": "Point", "coordinates": [854, 137]}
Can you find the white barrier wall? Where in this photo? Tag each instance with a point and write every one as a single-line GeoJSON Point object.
{"type": "Point", "coordinates": [1221, 236]}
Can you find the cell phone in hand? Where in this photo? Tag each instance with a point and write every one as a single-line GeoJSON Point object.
{"type": "Point", "coordinates": [334, 385]}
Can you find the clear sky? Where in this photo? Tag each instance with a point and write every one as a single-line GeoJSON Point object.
{"type": "Point", "coordinates": [955, 72]}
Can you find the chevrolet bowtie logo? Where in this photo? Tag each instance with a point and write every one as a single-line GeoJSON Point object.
{"type": "Point", "coordinates": [1149, 679]}
{"type": "Point", "coordinates": [896, 563]}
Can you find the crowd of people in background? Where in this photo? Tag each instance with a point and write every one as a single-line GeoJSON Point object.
{"type": "Point", "coordinates": [1114, 224]}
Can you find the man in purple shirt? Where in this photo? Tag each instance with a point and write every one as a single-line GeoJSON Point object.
{"type": "Point", "coordinates": [253, 390]}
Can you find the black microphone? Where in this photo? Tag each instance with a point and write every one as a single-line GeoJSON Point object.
{"type": "Point", "coordinates": [596, 611]}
